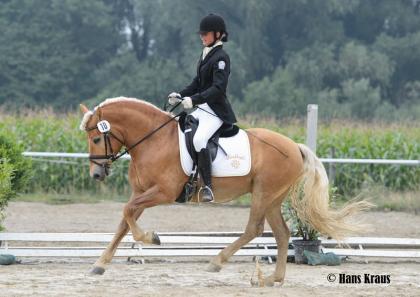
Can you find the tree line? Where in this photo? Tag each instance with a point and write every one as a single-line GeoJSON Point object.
{"type": "Point", "coordinates": [355, 58]}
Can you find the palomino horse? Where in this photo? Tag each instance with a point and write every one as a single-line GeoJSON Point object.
{"type": "Point", "coordinates": [156, 177]}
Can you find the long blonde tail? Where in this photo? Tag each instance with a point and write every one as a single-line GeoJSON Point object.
{"type": "Point", "coordinates": [312, 207]}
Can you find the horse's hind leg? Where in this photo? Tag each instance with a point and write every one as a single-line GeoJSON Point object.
{"type": "Point", "coordinates": [281, 234]}
{"type": "Point", "coordinates": [254, 228]}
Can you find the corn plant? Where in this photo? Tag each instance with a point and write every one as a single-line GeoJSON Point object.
{"type": "Point", "coordinates": [47, 131]}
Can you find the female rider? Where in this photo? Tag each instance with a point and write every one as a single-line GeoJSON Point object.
{"type": "Point", "coordinates": [207, 92]}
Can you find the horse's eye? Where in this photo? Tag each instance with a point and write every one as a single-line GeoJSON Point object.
{"type": "Point", "coordinates": [96, 140]}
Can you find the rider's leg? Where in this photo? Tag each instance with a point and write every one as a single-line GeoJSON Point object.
{"type": "Point", "coordinates": [208, 125]}
{"type": "Point", "coordinates": [204, 168]}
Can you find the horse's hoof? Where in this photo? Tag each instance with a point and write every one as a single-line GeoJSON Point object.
{"type": "Point", "coordinates": [261, 283]}
{"type": "Point", "coordinates": [97, 270]}
{"type": "Point", "coordinates": [213, 267]}
{"type": "Point", "coordinates": [155, 238]}
{"type": "Point", "coordinates": [268, 282]}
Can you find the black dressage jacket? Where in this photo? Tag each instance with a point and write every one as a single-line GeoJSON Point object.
{"type": "Point", "coordinates": [209, 85]}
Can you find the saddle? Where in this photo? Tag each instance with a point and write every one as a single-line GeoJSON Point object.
{"type": "Point", "coordinates": [188, 125]}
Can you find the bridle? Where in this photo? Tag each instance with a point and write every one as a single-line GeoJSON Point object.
{"type": "Point", "coordinates": [110, 156]}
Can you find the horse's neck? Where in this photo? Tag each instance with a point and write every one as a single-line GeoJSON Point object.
{"type": "Point", "coordinates": [158, 154]}
{"type": "Point", "coordinates": [136, 124]}
{"type": "Point", "coordinates": [160, 149]}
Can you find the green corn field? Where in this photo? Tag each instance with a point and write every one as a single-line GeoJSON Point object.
{"type": "Point", "coordinates": [46, 131]}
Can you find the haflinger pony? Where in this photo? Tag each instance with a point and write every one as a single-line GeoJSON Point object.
{"type": "Point", "coordinates": [278, 167]}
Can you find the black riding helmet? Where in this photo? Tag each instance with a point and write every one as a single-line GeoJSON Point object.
{"type": "Point", "coordinates": [214, 23]}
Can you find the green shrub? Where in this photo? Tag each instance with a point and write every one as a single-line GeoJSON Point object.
{"type": "Point", "coordinates": [6, 176]}
{"type": "Point", "coordinates": [12, 152]}
{"type": "Point", "coordinates": [14, 171]}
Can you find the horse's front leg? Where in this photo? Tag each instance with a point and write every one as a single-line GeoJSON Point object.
{"type": "Point", "coordinates": [132, 211]}
{"type": "Point", "coordinates": [108, 253]}
{"type": "Point", "coordinates": [152, 197]}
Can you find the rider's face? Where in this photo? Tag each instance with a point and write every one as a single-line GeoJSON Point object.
{"type": "Point", "coordinates": [208, 37]}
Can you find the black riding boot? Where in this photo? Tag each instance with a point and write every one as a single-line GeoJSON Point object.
{"type": "Point", "coordinates": [204, 168]}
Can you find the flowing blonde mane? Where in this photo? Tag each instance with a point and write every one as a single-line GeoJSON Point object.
{"type": "Point", "coordinates": [88, 115]}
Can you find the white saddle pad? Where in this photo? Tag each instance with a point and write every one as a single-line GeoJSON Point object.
{"type": "Point", "coordinates": [237, 162]}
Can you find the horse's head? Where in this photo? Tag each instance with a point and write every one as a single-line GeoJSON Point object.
{"type": "Point", "coordinates": [103, 140]}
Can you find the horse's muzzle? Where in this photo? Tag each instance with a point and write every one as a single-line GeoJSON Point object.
{"type": "Point", "coordinates": [99, 172]}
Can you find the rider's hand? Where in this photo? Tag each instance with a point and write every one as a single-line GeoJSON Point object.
{"type": "Point", "coordinates": [187, 102]}
{"type": "Point", "coordinates": [174, 98]}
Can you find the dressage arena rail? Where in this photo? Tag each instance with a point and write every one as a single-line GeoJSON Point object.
{"type": "Point", "coordinates": [324, 160]}
{"type": "Point", "coordinates": [188, 244]}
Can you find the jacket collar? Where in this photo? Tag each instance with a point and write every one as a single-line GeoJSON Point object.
{"type": "Point", "coordinates": [207, 49]}
{"type": "Point", "coordinates": [212, 51]}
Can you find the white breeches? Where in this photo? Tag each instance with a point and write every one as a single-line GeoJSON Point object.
{"type": "Point", "coordinates": [207, 126]}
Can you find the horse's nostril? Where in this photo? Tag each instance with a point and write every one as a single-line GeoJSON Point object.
{"type": "Point", "coordinates": [96, 175]}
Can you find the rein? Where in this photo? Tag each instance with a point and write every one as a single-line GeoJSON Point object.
{"type": "Point", "coordinates": [115, 156]}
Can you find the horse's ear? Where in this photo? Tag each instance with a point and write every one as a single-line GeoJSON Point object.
{"type": "Point", "coordinates": [98, 112]}
{"type": "Point", "coordinates": [83, 108]}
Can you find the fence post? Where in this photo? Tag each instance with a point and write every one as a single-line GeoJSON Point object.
{"type": "Point", "coordinates": [331, 167]}
{"type": "Point", "coordinates": [311, 126]}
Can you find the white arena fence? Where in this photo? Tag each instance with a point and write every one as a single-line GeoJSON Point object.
{"type": "Point", "coordinates": [188, 244]}
{"type": "Point", "coordinates": [324, 160]}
